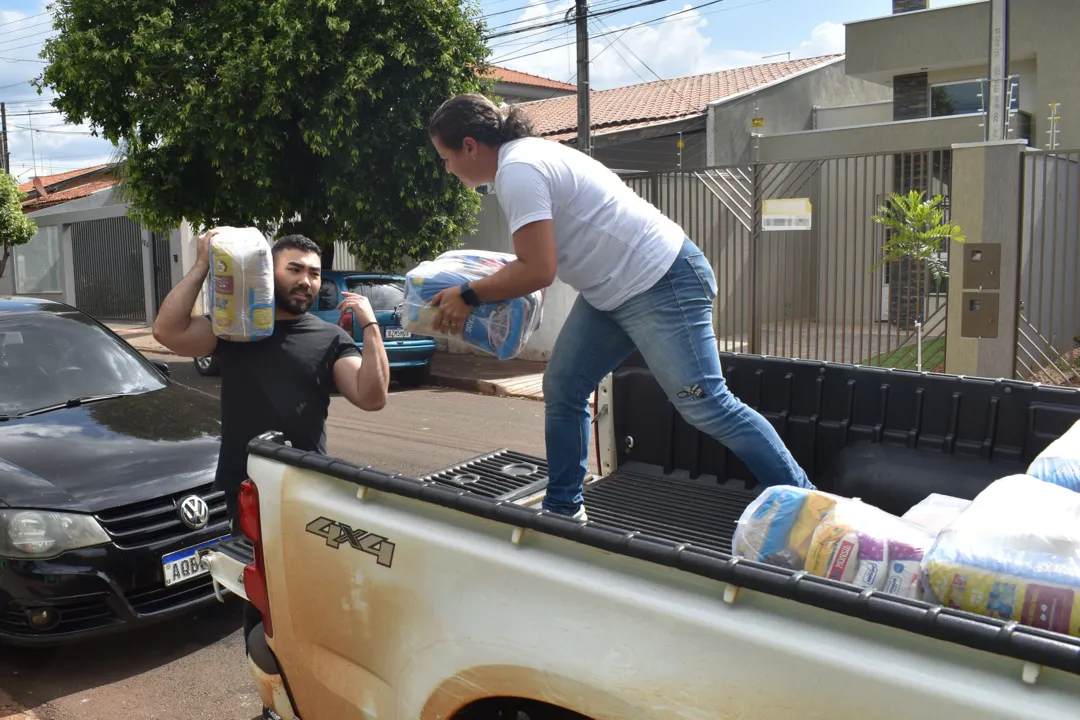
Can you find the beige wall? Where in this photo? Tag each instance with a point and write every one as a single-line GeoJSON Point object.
{"type": "Point", "coordinates": [952, 42]}
{"type": "Point", "coordinates": [787, 106]}
{"type": "Point", "coordinates": [826, 118]}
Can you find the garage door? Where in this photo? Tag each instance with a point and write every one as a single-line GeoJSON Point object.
{"type": "Point", "coordinates": [108, 264]}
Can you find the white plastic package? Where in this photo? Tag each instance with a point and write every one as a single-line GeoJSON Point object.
{"type": "Point", "coordinates": [1059, 463]}
{"type": "Point", "coordinates": [241, 285]}
{"type": "Point", "coordinates": [499, 328]}
{"type": "Point", "coordinates": [832, 537]}
{"type": "Point", "coordinates": [1014, 554]}
{"type": "Point", "coordinates": [936, 512]}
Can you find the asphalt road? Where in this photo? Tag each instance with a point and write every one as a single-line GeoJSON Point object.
{"type": "Point", "coordinates": [194, 668]}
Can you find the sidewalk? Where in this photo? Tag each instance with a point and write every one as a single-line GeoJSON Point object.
{"type": "Point", "coordinates": [472, 373]}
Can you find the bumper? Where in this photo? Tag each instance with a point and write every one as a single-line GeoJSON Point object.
{"type": "Point", "coordinates": [96, 592]}
{"type": "Point", "coordinates": [266, 674]}
{"type": "Point", "coordinates": [408, 353]}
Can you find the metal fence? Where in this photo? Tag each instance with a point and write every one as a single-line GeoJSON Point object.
{"type": "Point", "coordinates": [1048, 337]}
{"type": "Point", "coordinates": [814, 293]}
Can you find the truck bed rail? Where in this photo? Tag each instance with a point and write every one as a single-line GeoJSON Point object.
{"type": "Point", "coordinates": [1009, 639]}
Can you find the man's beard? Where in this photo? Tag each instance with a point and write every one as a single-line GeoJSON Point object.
{"type": "Point", "coordinates": [293, 304]}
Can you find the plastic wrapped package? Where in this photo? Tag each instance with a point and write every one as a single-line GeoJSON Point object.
{"type": "Point", "coordinates": [1059, 463]}
{"type": "Point", "coordinates": [499, 328]}
{"type": "Point", "coordinates": [1014, 554]}
{"type": "Point", "coordinates": [936, 512]}
{"type": "Point", "coordinates": [832, 537]}
{"type": "Point", "coordinates": [241, 285]}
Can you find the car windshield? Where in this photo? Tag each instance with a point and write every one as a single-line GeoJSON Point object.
{"type": "Point", "coordinates": [385, 294]}
{"type": "Point", "coordinates": [49, 358]}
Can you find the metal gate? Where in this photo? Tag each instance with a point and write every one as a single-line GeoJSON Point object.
{"type": "Point", "coordinates": [811, 293]}
{"type": "Point", "coordinates": [1048, 333]}
{"type": "Point", "coordinates": [108, 265]}
{"type": "Point", "coordinates": [159, 243]}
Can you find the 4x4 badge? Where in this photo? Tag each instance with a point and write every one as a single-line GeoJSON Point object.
{"type": "Point", "coordinates": [336, 533]}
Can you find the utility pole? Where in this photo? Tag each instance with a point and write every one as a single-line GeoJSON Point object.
{"type": "Point", "coordinates": [5, 153]}
{"type": "Point", "coordinates": [584, 137]}
{"type": "Point", "coordinates": [997, 109]}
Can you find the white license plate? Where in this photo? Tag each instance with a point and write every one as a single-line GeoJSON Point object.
{"type": "Point", "coordinates": [186, 564]}
{"type": "Point", "coordinates": [397, 333]}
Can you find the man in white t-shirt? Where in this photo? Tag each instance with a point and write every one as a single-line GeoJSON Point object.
{"type": "Point", "coordinates": [641, 282]}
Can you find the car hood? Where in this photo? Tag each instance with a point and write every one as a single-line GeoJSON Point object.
{"type": "Point", "coordinates": [112, 452]}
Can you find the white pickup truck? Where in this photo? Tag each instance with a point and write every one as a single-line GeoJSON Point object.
{"type": "Point", "coordinates": [453, 597]}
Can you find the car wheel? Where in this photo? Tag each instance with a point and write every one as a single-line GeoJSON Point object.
{"type": "Point", "coordinates": [207, 365]}
{"type": "Point", "coordinates": [414, 376]}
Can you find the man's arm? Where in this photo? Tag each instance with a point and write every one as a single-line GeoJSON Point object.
{"type": "Point", "coordinates": [365, 382]}
{"type": "Point", "coordinates": [175, 328]}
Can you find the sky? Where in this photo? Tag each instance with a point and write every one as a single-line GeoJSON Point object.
{"type": "Point", "coordinates": [665, 39]}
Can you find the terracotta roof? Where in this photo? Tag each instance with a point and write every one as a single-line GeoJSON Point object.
{"type": "Point", "coordinates": [62, 196]}
{"type": "Point", "coordinates": [653, 102]}
{"type": "Point", "coordinates": [50, 179]}
{"type": "Point", "coordinates": [521, 78]}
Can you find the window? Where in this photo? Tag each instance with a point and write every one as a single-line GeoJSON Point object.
{"type": "Point", "coordinates": [969, 96]}
{"type": "Point", "coordinates": [327, 295]}
{"type": "Point", "coordinates": [37, 263]}
{"type": "Point", "coordinates": [384, 294]}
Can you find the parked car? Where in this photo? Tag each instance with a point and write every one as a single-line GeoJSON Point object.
{"type": "Point", "coordinates": [409, 355]}
{"type": "Point", "coordinates": [106, 472]}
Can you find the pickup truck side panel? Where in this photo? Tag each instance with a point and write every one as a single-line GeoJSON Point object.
{"type": "Point", "coordinates": [397, 609]}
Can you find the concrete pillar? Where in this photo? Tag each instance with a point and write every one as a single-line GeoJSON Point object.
{"type": "Point", "coordinates": [984, 271]}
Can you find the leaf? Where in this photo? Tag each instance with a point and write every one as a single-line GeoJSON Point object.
{"type": "Point", "coordinates": [916, 231]}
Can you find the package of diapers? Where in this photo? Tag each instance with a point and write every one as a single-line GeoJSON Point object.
{"type": "Point", "coordinates": [499, 328]}
{"type": "Point", "coordinates": [1059, 463]}
{"type": "Point", "coordinates": [936, 512]}
{"type": "Point", "coordinates": [241, 285]}
{"type": "Point", "coordinates": [1014, 554]}
{"type": "Point", "coordinates": [832, 537]}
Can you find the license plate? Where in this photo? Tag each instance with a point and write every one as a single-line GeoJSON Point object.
{"type": "Point", "coordinates": [396, 332]}
{"type": "Point", "coordinates": [186, 564]}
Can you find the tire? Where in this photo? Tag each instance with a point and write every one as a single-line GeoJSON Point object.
{"type": "Point", "coordinates": [207, 366]}
{"type": "Point", "coordinates": [414, 376]}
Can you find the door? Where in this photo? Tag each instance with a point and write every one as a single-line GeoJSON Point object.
{"type": "Point", "coordinates": [162, 258]}
{"type": "Point", "coordinates": [108, 263]}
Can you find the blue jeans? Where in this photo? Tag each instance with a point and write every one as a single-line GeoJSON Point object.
{"type": "Point", "coordinates": [672, 325]}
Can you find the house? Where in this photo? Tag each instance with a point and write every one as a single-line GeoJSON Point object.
{"type": "Point", "coordinates": [935, 61]}
{"type": "Point", "coordinates": [514, 86]}
{"type": "Point", "coordinates": [88, 253]}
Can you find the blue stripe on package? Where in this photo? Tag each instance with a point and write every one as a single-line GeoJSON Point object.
{"type": "Point", "coordinates": [499, 328]}
{"type": "Point", "coordinates": [1059, 463]}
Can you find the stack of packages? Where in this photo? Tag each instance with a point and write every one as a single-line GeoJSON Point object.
{"type": "Point", "coordinates": [241, 285]}
{"type": "Point", "coordinates": [499, 328]}
{"type": "Point", "coordinates": [1013, 553]}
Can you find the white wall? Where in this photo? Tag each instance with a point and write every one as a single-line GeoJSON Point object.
{"type": "Point", "coordinates": [493, 234]}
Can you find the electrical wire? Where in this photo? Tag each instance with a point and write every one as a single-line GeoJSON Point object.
{"type": "Point", "coordinates": [612, 11]}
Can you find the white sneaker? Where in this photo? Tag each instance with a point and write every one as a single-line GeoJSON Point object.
{"type": "Point", "coordinates": [580, 514]}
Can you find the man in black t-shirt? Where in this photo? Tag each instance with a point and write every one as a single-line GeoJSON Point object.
{"type": "Point", "coordinates": [282, 382]}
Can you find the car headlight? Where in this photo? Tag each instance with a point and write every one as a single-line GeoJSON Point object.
{"type": "Point", "coordinates": [39, 534]}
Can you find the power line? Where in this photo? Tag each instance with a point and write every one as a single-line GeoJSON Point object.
{"type": "Point", "coordinates": [556, 23]}
{"type": "Point", "coordinates": [28, 17]}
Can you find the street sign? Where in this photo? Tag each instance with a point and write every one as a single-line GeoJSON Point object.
{"type": "Point", "coordinates": [782, 214]}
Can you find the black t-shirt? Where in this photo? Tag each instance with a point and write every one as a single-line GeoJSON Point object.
{"type": "Point", "coordinates": [281, 383]}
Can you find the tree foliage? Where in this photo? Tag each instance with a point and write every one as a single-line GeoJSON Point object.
{"type": "Point", "coordinates": [918, 230]}
{"type": "Point", "coordinates": [290, 115]}
{"type": "Point", "coordinates": [15, 227]}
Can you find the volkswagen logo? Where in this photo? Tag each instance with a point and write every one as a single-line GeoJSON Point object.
{"type": "Point", "coordinates": [194, 512]}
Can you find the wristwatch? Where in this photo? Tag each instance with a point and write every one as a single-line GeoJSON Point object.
{"type": "Point", "coordinates": [469, 295]}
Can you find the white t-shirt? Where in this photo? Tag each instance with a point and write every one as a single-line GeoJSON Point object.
{"type": "Point", "coordinates": [612, 244]}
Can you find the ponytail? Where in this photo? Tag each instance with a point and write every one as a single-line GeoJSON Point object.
{"type": "Point", "coordinates": [473, 115]}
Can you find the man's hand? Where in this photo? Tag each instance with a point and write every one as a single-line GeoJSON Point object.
{"type": "Point", "coordinates": [360, 307]}
{"type": "Point", "coordinates": [452, 312]}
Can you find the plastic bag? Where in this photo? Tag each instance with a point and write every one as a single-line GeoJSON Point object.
{"type": "Point", "coordinates": [936, 512]}
{"type": "Point", "coordinates": [1014, 554]}
{"type": "Point", "coordinates": [241, 285]}
{"type": "Point", "coordinates": [499, 328]}
{"type": "Point", "coordinates": [1059, 463]}
{"type": "Point", "coordinates": [832, 537]}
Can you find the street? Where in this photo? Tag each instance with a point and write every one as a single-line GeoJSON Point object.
{"type": "Point", "coordinates": [194, 668]}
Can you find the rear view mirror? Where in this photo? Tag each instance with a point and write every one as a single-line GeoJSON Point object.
{"type": "Point", "coordinates": [163, 367]}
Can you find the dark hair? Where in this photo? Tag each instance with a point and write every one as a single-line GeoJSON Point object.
{"type": "Point", "coordinates": [473, 115]}
{"type": "Point", "coordinates": [295, 242]}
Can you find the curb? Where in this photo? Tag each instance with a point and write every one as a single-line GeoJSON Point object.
{"type": "Point", "coordinates": [483, 387]}
{"type": "Point", "coordinates": [11, 710]}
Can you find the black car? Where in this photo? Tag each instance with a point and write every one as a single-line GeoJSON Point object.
{"type": "Point", "coordinates": [106, 472]}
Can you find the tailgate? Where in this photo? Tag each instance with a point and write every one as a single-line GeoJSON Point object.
{"type": "Point", "coordinates": [227, 562]}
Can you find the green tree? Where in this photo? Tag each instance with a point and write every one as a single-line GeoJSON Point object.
{"type": "Point", "coordinates": [290, 115]}
{"type": "Point", "coordinates": [15, 227]}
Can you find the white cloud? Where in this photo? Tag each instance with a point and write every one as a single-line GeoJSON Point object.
{"type": "Point", "coordinates": [675, 47]}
